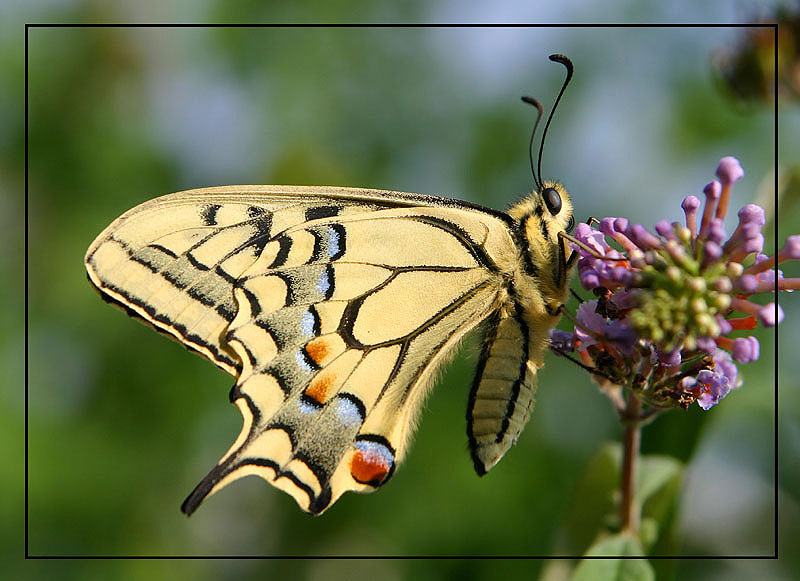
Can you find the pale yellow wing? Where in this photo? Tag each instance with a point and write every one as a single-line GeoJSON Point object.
{"type": "Point", "coordinates": [333, 306]}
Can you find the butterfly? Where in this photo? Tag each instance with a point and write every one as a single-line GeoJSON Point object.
{"type": "Point", "coordinates": [333, 307]}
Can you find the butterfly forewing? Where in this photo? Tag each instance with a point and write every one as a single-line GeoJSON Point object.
{"type": "Point", "coordinates": [173, 262]}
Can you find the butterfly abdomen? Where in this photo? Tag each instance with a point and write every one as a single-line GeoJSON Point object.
{"type": "Point", "coordinates": [516, 336]}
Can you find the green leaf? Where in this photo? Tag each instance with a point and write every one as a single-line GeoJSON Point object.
{"type": "Point", "coordinates": [614, 569]}
{"type": "Point", "coordinates": [660, 480]}
{"type": "Point", "coordinates": [593, 501]}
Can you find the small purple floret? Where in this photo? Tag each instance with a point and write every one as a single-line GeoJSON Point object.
{"type": "Point", "coordinates": [716, 231]}
{"type": "Point", "coordinates": [724, 365]}
{"type": "Point", "coordinates": [747, 283]}
{"type": "Point", "coordinates": [729, 170]}
{"type": "Point", "coordinates": [745, 349]}
{"type": "Point", "coordinates": [706, 344]}
{"type": "Point", "coordinates": [643, 239]}
{"type": "Point", "coordinates": [770, 315]}
{"type": "Point", "coordinates": [712, 250]}
{"type": "Point", "coordinates": [690, 203]}
{"type": "Point", "coordinates": [713, 190]}
{"type": "Point", "coordinates": [752, 213]}
{"type": "Point", "coordinates": [790, 250]}
{"type": "Point", "coordinates": [664, 228]}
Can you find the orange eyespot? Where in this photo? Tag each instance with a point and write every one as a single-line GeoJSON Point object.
{"type": "Point", "coordinates": [372, 463]}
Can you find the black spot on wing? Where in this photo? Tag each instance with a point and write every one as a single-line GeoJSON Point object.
{"type": "Point", "coordinates": [163, 249]}
{"type": "Point", "coordinates": [291, 296]}
{"type": "Point", "coordinates": [318, 212]}
{"type": "Point", "coordinates": [336, 241]}
{"type": "Point", "coordinates": [322, 472]}
{"type": "Point", "coordinates": [321, 502]}
{"type": "Point", "coordinates": [263, 225]}
{"type": "Point", "coordinates": [141, 258]}
{"type": "Point", "coordinates": [310, 401]}
{"type": "Point", "coordinates": [284, 246]}
{"type": "Point", "coordinates": [255, 211]}
{"type": "Point", "coordinates": [329, 282]}
{"type": "Point", "coordinates": [225, 312]}
{"type": "Point", "coordinates": [196, 263]}
{"type": "Point", "coordinates": [315, 321]}
{"type": "Point", "coordinates": [277, 338]}
{"type": "Point", "coordinates": [208, 214]}
{"type": "Point", "coordinates": [316, 253]}
{"type": "Point", "coordinates": [255, 306]}
{"type": "Point", "coordinates": [169, 276]}
{"type": "Point", "coordinates": [308, 361]}
{"type": "Point", "coordinates": [224, 275]}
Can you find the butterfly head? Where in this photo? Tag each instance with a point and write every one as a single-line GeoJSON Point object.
{"type": "Point", "coordinates": [557, 207]}
{"type": "Point", "coordinates": [541, 219]}
{"type": "Point", "coordinates": [543, 215]}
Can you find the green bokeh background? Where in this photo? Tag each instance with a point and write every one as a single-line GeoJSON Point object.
{"type": "Point", "coordinates": [122, 423]}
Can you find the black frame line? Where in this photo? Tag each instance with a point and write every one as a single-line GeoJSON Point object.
{"type": "Point", "coordinates": [773, 26]}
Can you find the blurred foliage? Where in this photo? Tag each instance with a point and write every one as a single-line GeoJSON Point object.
{"type": "Point", "coordinates": [747, 69]}
{"type": "Point", "coordinates": [123, 423]}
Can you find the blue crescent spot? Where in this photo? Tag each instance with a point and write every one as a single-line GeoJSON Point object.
{"type": "Point", "coordinates": [372, 449]}
{"type": "Point", "coordinates": [323, 284]}
{"type": "Point", "coordinates": [333, 242]}
{"type": "Point", "coordinates": [307, 408]}
{"type": "Point", "coordinates": [307, 323]}
{"type": "Point", "coordinates": [348, 412]}
{"type": "Point", "coordinates": [302, 362]}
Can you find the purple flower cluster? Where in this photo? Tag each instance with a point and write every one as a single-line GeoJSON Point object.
{"type": "Point", "coordinates": [668, 303]}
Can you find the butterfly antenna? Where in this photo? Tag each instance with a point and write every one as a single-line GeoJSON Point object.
{"type": "Point", "coordinates": [558, 58]}
{"type": "Point", "coordinates": [538, 105]}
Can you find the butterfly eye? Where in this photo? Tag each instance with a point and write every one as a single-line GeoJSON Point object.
{"type": "Point", "coordinates": [552, 200]}
{"type": "Point", "coordinates": [570, 224]}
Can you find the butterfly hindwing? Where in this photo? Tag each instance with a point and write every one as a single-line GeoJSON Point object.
{"type": "Point", "coordinates": [337, 359]}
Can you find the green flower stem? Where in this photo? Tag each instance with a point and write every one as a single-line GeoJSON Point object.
{"type": "Point", "coordinates": [629, 507]}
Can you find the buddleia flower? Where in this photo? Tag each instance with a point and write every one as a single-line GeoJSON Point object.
{"type": "Point", "coordinates": [673, 306]}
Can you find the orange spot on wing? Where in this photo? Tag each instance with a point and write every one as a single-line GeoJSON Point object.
{"type": "Point", "coordinates": [369, 468]}
{"type": "Point", "coordinates": [320, 387]}
{"type": "Point", "coordinates": [318, 349]}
